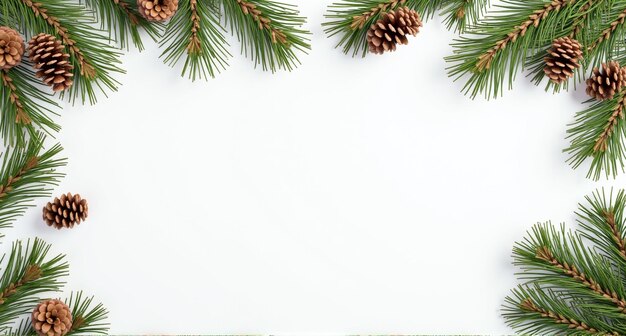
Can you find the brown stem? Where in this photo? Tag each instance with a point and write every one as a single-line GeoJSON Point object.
{"type": "Point", "coordinates": [608, 31]}
{"type": "Point", "coordinates": [8, 186]}
{"type": "Point", "coordinates": [545, 254]}
{"type": "Point", "coordinates": [33, 272]}
{"type": "Point", "coordinates": [615, 234]}
{"type": "Point", "coordinates": [264, 22]}
{"type": "Point", "coordinates": [131, 16]}
{"type": "Point", "coordinates": [484, 60]}
{"type": "Point", "coordinates": [530, 306]}
{"type": "Point", "coordinates": [602, 141]}
{"type": "Point", "coordinates": [194, 42]}
{"type": "Point", "coordinates": [86, 69]}
{"type": "Point", "coordinates": [359, 21]}
{"type": "Point", "coordinates": [21, 117]}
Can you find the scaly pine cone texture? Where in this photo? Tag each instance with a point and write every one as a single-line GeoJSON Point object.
{"type": "Point", "coordinates": [392, 29]}
{"type": "Point", "coordinates": [563, 58]}
{"type": "Point", "coordinates": [66, 211]}
{"type": "Point", "coordinates": [11, 48]}
{"type": "Point", "coordinates": [157, 10]}
{"type": "Point", "coordinates": [52, 318]}
{"type": "Point", "coordinates": [607, 81]}
{"type": "Point", "coordinates": [51, 61]}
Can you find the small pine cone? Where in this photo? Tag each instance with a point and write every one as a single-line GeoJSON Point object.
{"type": "Point", "coordinates": [52, 318]}
{"type": "Point", "coordinates": [66, 211]}
{"type": "Point", "coordinates": [563, 57]}
{"type": "Point", "coordinates": [157, 10]}
{"type": "Point", "coordinates": [392, 29]}
{"type": "Point", "coordinates": [51, 61]}
{"type": "Point", "coordinates": [607, 81]}
{"type": "Point", "coordinates": [11, 48]}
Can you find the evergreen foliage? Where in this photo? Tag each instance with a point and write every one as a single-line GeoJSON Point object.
{"type": "Point", "coordinates": [573, 281]}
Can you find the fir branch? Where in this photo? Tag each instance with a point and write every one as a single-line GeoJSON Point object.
{"type": "Point", "coordinates": [25, 174]}
{"type": "Point", "coordinates": [24, 107]}
{"type": "Point", "coordinates": [28, 273]}
{"type": "Point", "coordinates": [123, 21]}
{"type": "Point", "coordinates": [94, 60]}
{"type": "Point", "coordinates": [498, 46]}
{"type": "Point", "coordinates": [351, 19]}
{"type": "Point", "coordinates": [269, 31]}
{"type": "Point", "coordinates": [598, 133]}
{"type": "Point", "coordinates": [195, 33]}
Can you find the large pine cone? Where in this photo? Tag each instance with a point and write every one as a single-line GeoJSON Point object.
{"type": "Point", "coordinates": [66, 211]}
{"type": "Point", "coordinates": [392, 29]}
{"type": "Point", "coordinates": [157, 10]}
{"type": "Point", "coordinates": [563, 58]}
{"type": "Point", "coordinates": [607, 81]}
{"type": "Point", "coordinates": [52, 63]}
{"type": "Point", "coordinates": [11, 48]}
{"type": "Point", "coordinates": [52, 318]}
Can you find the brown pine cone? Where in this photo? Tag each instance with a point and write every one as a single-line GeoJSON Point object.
{"type": "Point", "coordinates": [563, 57]}
{"type": "Point", "coordinates": [11, 48]}
{"type": "Point", "coordinates": [52, 318]}
{"type": "Point", "coordinates": [392, 29]}
{"type": "Point", "coordinates": [51, 61]}
{"type": "Point", "coordinates": [607, 81]}
{"type": "Point", "coordinates": [157, 10]}
{"type": "Point", "coordinates": [66, 211]}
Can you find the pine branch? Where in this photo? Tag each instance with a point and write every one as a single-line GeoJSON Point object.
{"type": "Point", "coordinates": [25, 174]}
{"type": "Point", "coordinates": [195, 33]}
{"type": "Point", "coordinates": [94, 60]}
{"type": "Point", "coordinates": [460, 14]}
{"type": "Point", "coordinates": [24, 107]}
{"type": "Point", "coordinates": [598, 133]}
{"type": "Point", "coordinates": [569, 288]}
{"type": "Point", "coordinates": [497, 48]}
{"type": "Point", "coordinates": [89, 319]}
{"type": "Point", "coordinates": [602, 220]}
{"type": "Point", "coordinates": [351, 19]}
{"type": "Point", "coordinates": [269, 31]}
{"type": "Point", "coordinates": [28, 273]}
{"type": "Point", "coordinates": [606, 40]}
{"type": "Point", "coordinates": [123, 22]}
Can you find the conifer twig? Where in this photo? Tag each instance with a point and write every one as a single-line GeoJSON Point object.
{"type": "Point", "coordinates": [573, 283]}
{"type": "Point", "coordinates": [571, 323]}
{"type": "Point", "coordinates": [21, 116]}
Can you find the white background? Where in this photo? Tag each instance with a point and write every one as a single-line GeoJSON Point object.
{"type": "Point", "coordinates": [348, 196]}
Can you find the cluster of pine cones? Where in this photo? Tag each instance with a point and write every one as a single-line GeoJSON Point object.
{"type": "Point", "coordinates": [565, 56]}
{"type": "Point", "coordinates": [48, 54]}
{"type": "Point", "coordinates": [44, 50]}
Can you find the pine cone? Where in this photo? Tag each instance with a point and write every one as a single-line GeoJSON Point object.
{"type": "Point", "coordinates": [52, 318]}
{"type": "Point", "coordinates": [157, 10]}
{"type": "Point", "coordinates": [11, 48]}
{"type": "Point", "coordinates": [563, 57]}
{"type": "Point", "coordinates": [605, 82]}
{"type": "Point", "coordinates": [66, 211]}
{"type": "Point", "coordinates": [52, 63]}
{"type": "Point", "coordinates": [392, 29]}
